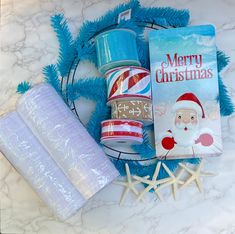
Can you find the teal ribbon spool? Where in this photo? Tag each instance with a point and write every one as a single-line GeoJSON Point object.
{"type": "Point", "coordinates": [115, 48]}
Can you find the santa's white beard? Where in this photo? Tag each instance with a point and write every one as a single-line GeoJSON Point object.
{"type": "Point", "coordinates": [185, 138]}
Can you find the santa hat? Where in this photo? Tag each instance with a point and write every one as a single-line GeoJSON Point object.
{"type": "Point", "coordinates": [189, 101]}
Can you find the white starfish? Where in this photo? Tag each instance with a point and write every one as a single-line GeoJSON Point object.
{"type": "Point", "coordinates": [153, 183]}
{"type": "Point", "coordinates": [195, 176]}
{"type": "Point", "coordinates": [175, 180]}
{"type": "Point", "coordinates": [129, 184]}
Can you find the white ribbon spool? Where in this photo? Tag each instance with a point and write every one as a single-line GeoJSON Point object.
{"type": "Point", "coordinates": [32, 161]}
{"type": "Point", "coordinates": [66, 139]}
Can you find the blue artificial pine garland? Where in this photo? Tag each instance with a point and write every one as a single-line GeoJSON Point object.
{"type": "Point", "coordinates": [102, 112]}
{"type": "Point", "coordinates": [51, 77]}
{"type": "Point", "coordinates": [85, 88]}
{"type": "Point", "coordinates": [143, 52]}
{"type": "Point", "coordinates": [82, 48]}
{"type": "Point", "coordinates": [145, 149]}
{"type": "Point", "coordinates": [226, 105]}
{"type": "Point", "coordinates": [163, 16]}
{"type": "Point", "coordinates": [222, 59]}
{"type": "Point", "coordinates": [84, 45]}
{"type": "Point", "coordinates": [141, 169]}
{"type": "Point", "coordinates": [23, 87]}
{"type": "Point", "coordinates": [88, 52]}
{"type": "Point", "coordinates": [67, 52]}
{"type": "Point", "coordinates": [90, 28]}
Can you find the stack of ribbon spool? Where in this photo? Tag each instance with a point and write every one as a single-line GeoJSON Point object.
{"type": "Point", "coordinates": [128, 85]}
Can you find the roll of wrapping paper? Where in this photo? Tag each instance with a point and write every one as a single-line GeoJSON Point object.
{"type": "Point", "coordinates": [128, 82]}
{"type": "Point", "coordinates": [66, 139]}
{"type": "Point", "coordinates": [121, 132]}
{"type": "Point", "coordinates": [116, 48]}
{"type": "Point", "coordinates": [32, 161]}
{"type": "Point", "coordinates": [140, 110]}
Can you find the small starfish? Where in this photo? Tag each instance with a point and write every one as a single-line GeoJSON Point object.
{"type": "Point", "coordinates": [195, 176]}
{"type": "Point", "coordinates": [153, 183]}
{"type": "Point", "coordinates": [175, 180]}
{"type": "Point", "coordinates": [129, 184]}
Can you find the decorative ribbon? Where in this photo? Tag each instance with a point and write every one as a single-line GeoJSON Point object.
{"type": "Point", "coordinates": [116, 48]}
{"type": "Point", "coordinates": [128, 82]}
{"type": "Point", "coordinates": [116, 131]}
{"type": "Point", "coordinates": [32, 161]}
{"type": "Point", "coordinates": [140, 110]}
{"type": "Point", "coordinates": [66, 139]}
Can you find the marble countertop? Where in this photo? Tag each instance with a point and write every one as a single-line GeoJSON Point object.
{"type": "Point", "coordinates": [27, 44]}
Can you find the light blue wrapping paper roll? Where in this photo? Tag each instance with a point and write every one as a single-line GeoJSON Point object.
{"type": "Point", "coordinates": [115, 48]}
{"type": "Point", "coordinates": [66, 139]}
{"type": "Point", "coordinates": [32, 161]}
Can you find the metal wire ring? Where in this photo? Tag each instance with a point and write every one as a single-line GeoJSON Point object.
{"type": "Point", "coordinates": [72, 72]}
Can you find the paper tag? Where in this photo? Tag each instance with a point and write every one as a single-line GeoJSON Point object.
{"type": "Point", "coordinates": [125, 15]}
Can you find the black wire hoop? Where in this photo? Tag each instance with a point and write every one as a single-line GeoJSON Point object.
{"type": "Point", "coordinates": [65, 81]}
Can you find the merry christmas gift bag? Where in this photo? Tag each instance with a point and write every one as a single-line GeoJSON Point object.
{"type": "Point", "coordinates": [185, 90]}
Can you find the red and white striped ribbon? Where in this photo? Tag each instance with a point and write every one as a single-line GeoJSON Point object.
{"type": "Point", "coordinates": [128, 82]}
{"type": "Point", "coordinates": [116, 131]}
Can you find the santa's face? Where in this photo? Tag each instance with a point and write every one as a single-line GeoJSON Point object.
{"type": "Point", "coordinates": [185, 117]}
{"type": "Point", "coordinates": [185, 129]}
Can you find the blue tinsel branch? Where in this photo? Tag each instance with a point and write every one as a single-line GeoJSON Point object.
{"type": "Point", "coordinates": [226, 105]}
{"type": "Point", "coordinates": [222, 59]}
{"type": "Point", "coordinates": [90, 28]}
{"type": "Point", "coordinates": [51, 77]}
{"type": "Point", "coordinates": [141, 169]}
{"type": "Point", "coordinates": [85, 88]}
{"type": "Point", "coordinates": [163, 16]}
{"type": "Point", "coordinates": [23, 87]}
{"type": "Point", "coordinates": [88, 52]}
{"type": "Point", "coordinates": [67, 51]}
{"type": "Point", "coordinates": [145, 149]}
{"type": "Point", "coordinates": [102, 112]}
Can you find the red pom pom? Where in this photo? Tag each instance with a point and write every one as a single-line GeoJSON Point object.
{"type": "Point", "coordinates": [168, 143]}
{"type": "Point", "coordinates": [206, 139]}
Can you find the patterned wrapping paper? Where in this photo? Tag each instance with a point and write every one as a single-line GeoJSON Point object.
{"type": "Point", "coordinates": [128, 82]}
{"type": "Point", "coordinates": [134, 109]}
{"type": "Point", "coordinates": [33, 162]}
{"type": "Point", "coordinates": [66, 139]}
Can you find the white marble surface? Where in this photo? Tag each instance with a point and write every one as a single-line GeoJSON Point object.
{"type": "Point", "coordinates": [27, 44]}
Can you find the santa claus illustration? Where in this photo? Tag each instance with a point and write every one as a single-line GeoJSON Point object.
{"type": "Point", "coordinates": [186, 132]}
